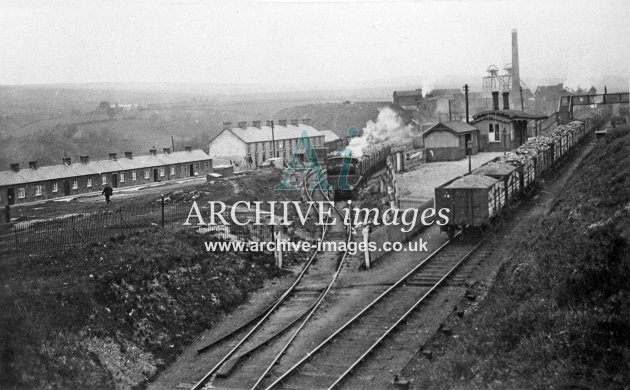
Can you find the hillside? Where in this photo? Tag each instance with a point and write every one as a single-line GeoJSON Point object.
{"type": "Point", "coordinates": [337, 117]}
{"type": "Point", "coordinates": [558, 315]}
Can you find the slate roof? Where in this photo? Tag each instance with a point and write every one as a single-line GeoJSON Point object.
{"type": "Point", "coordinates": [263, 133]}
{"type": "Point", "coordinates": [97, 167]}
{"type": "Point", "coordinates": [329, 136]}
{"type": "Point", "coordinates": [507, 114]}
{"type": "Point", "coordinates": [456, 127]}
{"type": "Point", "coordinates": [413, 92]}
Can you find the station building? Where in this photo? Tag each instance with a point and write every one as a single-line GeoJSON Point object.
{"type": "Point", "coordinates": [447, 141]}
{"type": "Point", "coordinates": [251, 144]}
{"type": "Point", "coordinates": [505, 129]}
{"type": "Point", "coordinates": [22, 185]}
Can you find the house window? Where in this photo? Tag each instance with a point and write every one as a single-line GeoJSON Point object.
{"type": "Point", "coordinates": [197, 167]}
{"type": "Point", "coordinates": [89, 182]}
{"type": "Point", "coordinates": [183, 169]}
{"type": "Point", "coordinates": [172, 171]}
{"type": "Point", "coordinates": [104, 179]}
{"type": "Point", "coordinates": [38, 190]}
{"type": "Point", "coordinates": [122, 177]}
{"type": "Point", "coordinates": [162, 172]}
{"type": "Point", "coordinates": [21, 193]}
{"type": "Point", "coordinates": [75, 184]}
{"type": "Point", "coordinates": [133, 175]}
{"type": "Point", "coordinates": [55, 187]}
{"type": "Point", "coordinates": [146, 173]}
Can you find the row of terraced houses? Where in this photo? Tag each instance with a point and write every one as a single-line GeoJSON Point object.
{"type": "Point", "coordinates": [33, 183]}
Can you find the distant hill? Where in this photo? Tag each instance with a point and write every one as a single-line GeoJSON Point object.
{"type": "Point", "coordinates": [337, 117]}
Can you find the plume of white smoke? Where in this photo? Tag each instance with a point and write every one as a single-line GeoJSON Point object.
{"type": "Point", "coordinates": [389, 128]}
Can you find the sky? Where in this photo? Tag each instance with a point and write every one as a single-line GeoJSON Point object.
{"type": "Point", "coordinates": [309, 43]}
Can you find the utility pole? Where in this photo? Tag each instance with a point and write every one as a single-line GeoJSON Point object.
{"type": "Point", "coordinates": [273, 140]}
{"type": "Point", "coordinates": [466, 93]}
{"type": "Point", "coordinates": [521, 89]}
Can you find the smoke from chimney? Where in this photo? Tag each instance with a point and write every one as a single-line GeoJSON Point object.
{"type": "Point", "coordinates": [388, 128]}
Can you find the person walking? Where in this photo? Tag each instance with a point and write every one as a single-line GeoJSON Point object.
{"type": "Point", "coordinates": [107, 191]}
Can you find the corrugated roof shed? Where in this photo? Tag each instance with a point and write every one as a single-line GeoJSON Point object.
{"type": "Point", "coordinates": [97, 167]}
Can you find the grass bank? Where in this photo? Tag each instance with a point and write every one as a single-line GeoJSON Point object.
{"type": "Point", "coordinates": [111, 314]}
{"type": "Point", "coordinates": [558, 315]}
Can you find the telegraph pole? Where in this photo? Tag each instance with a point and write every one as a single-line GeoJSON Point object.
{"type": "Point", "coordinates": [273, 141]}
{"type": "Point", "coordinates": [466, 93]}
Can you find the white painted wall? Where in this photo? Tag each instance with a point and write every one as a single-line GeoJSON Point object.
{"type": "Point", "coordinates": [227, 146]}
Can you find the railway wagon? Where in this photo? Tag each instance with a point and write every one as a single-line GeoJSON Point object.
{"type": "Point", "coordinates": [471, 200]}
{"type": "Point", "coordinates": [508, 175]}
{"type": "Point", "coordinates": [525, 165]}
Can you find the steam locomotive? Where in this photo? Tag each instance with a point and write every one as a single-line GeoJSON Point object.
{"type": "Point", "coordinates": [347, 174]}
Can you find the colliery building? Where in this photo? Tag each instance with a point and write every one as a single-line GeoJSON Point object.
{"type": "Point", "coordinates": [502, 129]}
{"type": "Point", "coordinates": [252, 144]}
{"type": "Point", "coordinates": [22, 185]}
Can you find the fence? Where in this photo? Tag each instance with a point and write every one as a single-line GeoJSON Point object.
{"type": "Point", "coordinates": [39, 238]}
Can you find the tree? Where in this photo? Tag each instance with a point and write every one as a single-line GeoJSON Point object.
{"type": "Point", "coordinates": [111, 113]}
{"type": "Point", "coordinates": [104, 105]}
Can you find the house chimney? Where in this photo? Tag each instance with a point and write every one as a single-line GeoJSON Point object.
{"type": "Point", "coordinates": [67, 160]}
{"type": "Point", "coordinates": [112, 156]}
{"type": "Point", "coordinates": [295, 122]}
{"type": "Point", "coordinates": [242, 125]}
{"type": "Point", "coordinates": [84, 159]}
{"type": "Point", "coordinates": [256, 124]}
{"type": "Point", "coordinates": [282, 122]}
{"type": "Point", "coordinates": [153, 152]}
{"type": "Point", "coordinates": [269, 123]}
{"type": "Point", "coordinates": [15, 167]}
{"type": "Point", "coordinates": [188, 148]}
{"type": "Point", "coordinates": [227, 125]}
{"type": "Point", "coordinates": [32, 164]}
{"type": "Point", "coordinates": [495, 100]}
{"type": "Point", "coordinates": [129, 155]}
{"type": "Point", "coordinates": [306, 121]}
{"type": "Point", "coordinates": [506, 100]}
{"type": "Point", "coordinates": [166, 150]}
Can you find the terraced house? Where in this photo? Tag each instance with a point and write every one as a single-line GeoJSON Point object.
{"type": "Point", "coordinates": [22, 185]}
{"type": "Point", "coordinates": [252, 144]}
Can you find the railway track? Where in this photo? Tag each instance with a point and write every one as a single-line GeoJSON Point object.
{"type": "Point", "coordinates": [333, 360]}
{"type": "Point", "coordinates": [270, 334]}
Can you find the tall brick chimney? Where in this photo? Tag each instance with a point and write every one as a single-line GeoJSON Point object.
{"type": "Point", "coordinates": [516, 74]}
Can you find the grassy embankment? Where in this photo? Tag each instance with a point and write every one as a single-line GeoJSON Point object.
{"type": "Point", "coordinates": [111, 314]}
{"type": "Point", "coordinates": [558, 315]}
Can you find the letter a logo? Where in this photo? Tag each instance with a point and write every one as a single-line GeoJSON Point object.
{"type": "Point", "coordinates": [304, 143]}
